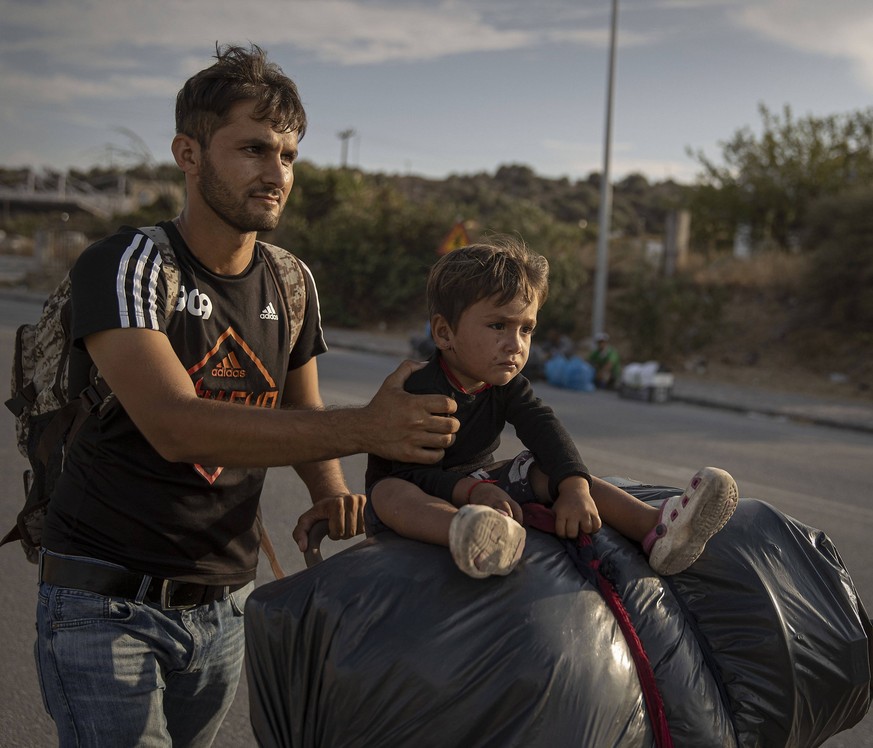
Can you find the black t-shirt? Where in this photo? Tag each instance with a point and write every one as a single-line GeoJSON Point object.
{"type": "Point", "coordinates": [117, 498]}
{"type": "Point", "coordinates": [482, 417]}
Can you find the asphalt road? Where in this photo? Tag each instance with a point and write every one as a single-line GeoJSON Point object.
{"type": "Point", "coordinates": [816, 474]}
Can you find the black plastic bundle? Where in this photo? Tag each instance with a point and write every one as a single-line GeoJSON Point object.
{"type": "Point", "coordinates": [762, 642]}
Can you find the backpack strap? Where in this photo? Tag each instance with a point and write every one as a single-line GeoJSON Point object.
{"type": "Point", "coordinates": [23, 394]}
{"type": "Point", "coordinates": [287, 272]}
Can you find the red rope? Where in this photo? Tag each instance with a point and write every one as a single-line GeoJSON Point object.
{"type": "Point", "coordinates": [542, 518]}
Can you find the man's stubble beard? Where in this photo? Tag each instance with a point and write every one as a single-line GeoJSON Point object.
{"type": "Point", "coordinates": [220, 198]}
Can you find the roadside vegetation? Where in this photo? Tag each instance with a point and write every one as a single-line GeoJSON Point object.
{"type": "Point", "coordinates": [795, 193]}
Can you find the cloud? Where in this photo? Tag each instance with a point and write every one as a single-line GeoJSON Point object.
{"type": "Point", "coordinates": [840, 30]}
{"type": "Point", "coordinates": [57, 52]}
{"type": "Point", "coordinates": [70, 70]}
{"type": "Point", "coordinates": [60, 88]}
{"type": "Point", "coordinates": [83, 35]}
{"type": "Point", "coordinates": [599, 37]}
{"type": "Point", "coordinates": [352, 33]}
{"type": "Point", "coordinates": [569, 157]}
{"type": "Point", "coordinates": [340, 31]}
{"type": "Point", "coordinates": [345, 32]}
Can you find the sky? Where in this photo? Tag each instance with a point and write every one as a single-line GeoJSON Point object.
{"type": "Point", "coordinates": [437, 87]}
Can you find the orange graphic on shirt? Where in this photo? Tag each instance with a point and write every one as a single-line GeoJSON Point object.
{"type": "Point", "coordinates": [231, 372]}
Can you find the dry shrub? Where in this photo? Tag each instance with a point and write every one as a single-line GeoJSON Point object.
{"type": "Point", "coordinates": [769, 270]}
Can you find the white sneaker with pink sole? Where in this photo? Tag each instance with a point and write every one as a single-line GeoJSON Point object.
{"type": "Point", "coordinates": [687, 522]}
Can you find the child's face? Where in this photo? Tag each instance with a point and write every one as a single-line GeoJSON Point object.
{"type": "Point", "coordinates": [491, 343]}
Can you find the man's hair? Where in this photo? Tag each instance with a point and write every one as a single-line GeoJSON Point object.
{"type": "Point", "coordinates": [204, 102]}
{"type": "Point", "coordinates": [503, 269]}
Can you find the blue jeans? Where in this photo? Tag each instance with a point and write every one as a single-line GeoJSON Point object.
{"type": "Point", "coordinates": [118, 673]}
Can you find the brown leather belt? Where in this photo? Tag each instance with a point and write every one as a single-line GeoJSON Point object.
{"type": "Point", "coordinates": [107, 580]}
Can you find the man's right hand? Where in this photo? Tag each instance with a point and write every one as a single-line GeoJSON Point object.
{"type": "Point", "coordinates": [409, 428]}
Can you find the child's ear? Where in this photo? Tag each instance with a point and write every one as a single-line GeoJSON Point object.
{"type": "Point", "coordinates": [441, 332]}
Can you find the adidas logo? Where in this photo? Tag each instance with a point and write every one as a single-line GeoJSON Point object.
{"type": "Point", "coordinates": [229, 367]}
{"type": "Point", "coordinates": [269, 312]}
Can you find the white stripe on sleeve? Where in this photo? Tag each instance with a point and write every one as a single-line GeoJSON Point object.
{"type": "Point", "coordinates": [140, 266]}
{"type": "Point", "coordinates": [120, 293]}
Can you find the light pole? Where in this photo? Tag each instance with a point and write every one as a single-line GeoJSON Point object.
{"type": "Point", "coordinates": [344, 136]}
{"type": "Point", "coordinates": [601, 272]}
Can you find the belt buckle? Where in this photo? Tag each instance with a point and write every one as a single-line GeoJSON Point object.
{"type": "Point", "coordinates": [166, 595]}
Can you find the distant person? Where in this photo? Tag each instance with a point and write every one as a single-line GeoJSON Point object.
{"type": "Point", "coordinates": [422, 345]}
{"type": "Point", "coordinates": [483, 300]}
{"type": "Point", "coordinates": [559, 344]}
{"type": "Point", "coordinates": [151, 538]}
{"type": "Point", "coordinates": [606, 362]}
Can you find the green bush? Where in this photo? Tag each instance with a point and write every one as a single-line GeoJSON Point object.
{"type": "Point", "coordinates": [369, 252]}
{"type": "Point", "coordinates": [665, 318]}
{"type": "Point", "coordinates": [839, 231]}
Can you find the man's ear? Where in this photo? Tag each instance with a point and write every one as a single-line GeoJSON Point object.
{"type": "Point", "coordinates": [441, 332]}
{"type": "Point", "coordinates": [187, 152]}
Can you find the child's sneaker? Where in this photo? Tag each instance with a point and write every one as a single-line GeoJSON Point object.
{"type": "Point", "coordinates": [484, 541]}
{"type": "Point", "coordinates": [687, 522]}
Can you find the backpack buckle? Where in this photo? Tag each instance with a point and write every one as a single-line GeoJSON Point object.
{"type": "Point", "coordinates": [91, 400]}
{"type": "Point", "coordinates": [97, 396]}
{"type": "Point", "coordinates": [21, 399]}
{"type": "Point", "coordinates": [95, 401]}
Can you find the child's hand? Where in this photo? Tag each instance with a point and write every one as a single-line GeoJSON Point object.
{"type": "Point", "coordinates": [575, 510]}
{"type": "Point", "coordinates": [488, 494]}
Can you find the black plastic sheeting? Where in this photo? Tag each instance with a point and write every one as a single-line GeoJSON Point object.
{"type": "Point", "coordinates": [763, 642]}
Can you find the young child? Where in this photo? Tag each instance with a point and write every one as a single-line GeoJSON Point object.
{"type": "Point", "coordinates": [483, 302]}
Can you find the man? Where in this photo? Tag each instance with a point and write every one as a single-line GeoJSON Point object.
{"type": "Point", "coordinates": [606, 362]}
{"type": "Point", "coordinates": [152, 537]}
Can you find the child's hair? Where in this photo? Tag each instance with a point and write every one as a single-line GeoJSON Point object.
{"type": "Point", "coordinates": [504, 268]}
{"type": "Point", "coordinates": [204, 102]}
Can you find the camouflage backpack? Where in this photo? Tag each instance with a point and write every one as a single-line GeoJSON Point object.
{"type": "Point", "coordinates": [47, 418]}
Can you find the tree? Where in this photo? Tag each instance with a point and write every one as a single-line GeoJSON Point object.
{"type": "Point", "coordinates": [841, 265]}
{"type": "Point", "coordinates": [668, 318]}
{"type": "Point", "coordinates": [768, 181]}
{"type": "Point", "coordinates": [369, 247]}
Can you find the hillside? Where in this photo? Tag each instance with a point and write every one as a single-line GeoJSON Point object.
{"type": "Point", "coordinates": [789, 317]}
{"type": "Point", "coordinates": [771, 337]}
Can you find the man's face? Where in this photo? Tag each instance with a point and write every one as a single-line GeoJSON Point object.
{"type": "Point", "coordinates": [491, 343]}
{"type": "Point", "coordinates": [247, 170]}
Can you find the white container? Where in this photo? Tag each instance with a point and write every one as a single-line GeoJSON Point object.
{"type": "Point", "coordinates": [646, 381]}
